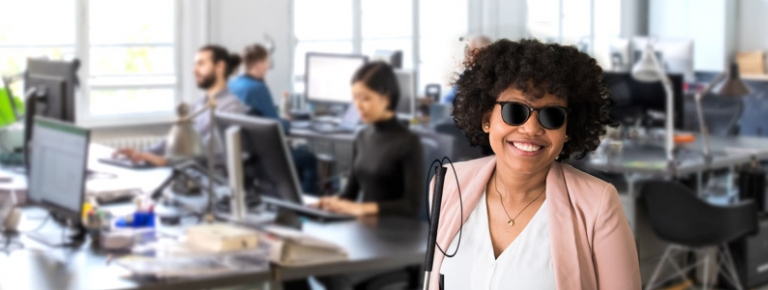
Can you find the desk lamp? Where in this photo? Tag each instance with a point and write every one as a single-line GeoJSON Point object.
{"type": "Point", "coordinates": [726, 84]}
{"type": "Point", "coordinates": [648, 69]}
{"type": "Point", "coordinates": [184, 144]}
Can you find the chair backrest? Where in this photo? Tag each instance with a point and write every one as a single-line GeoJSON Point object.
{"type": "Point", "coordinates": [678, 216]}
{"type": "Point", "coordinates": [436, 146]}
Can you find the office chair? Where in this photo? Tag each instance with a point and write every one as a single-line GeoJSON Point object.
{"type": "Point", "coordinates": [688, 223]}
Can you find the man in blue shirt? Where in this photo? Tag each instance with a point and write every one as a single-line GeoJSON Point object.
{"type": "Point", "coordinates": [251, 89]}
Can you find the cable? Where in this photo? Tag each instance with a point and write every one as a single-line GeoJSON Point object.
{"type": "Point", "coordinates": [461, 204]}
{"type": "Point", "coordinates": [40, 226]}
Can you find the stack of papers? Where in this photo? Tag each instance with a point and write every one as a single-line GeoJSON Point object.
{"type": "Point", "coordinates": [290, 247]}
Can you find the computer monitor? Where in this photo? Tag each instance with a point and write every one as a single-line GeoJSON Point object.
{"type": "Point", "coordinates": [407, 103]}
{"type": "Point", "coordinates": [50, 88]}
{"type": "Point", "coordinates": [393, 57]}
{"type": "Point", "coordinates": [55, 82]}
{"type": "Point", "coordinates": [675, 55]}
{"type": "Point", "coordinates": [267, 162]}
{"type": "Point", "coordinates": [58, 168]}
{"type": "Point", "coordinates": [620, 56]}
{"type": "Point", "coordinates": [633, 99]}
{"type": "Point", "coordinates": [328, 77]}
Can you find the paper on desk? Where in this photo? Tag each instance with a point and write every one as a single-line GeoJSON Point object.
{"type": "Point", "coordinates": [172, 258]}
{"type": "Point", "coordinates": [197, 266]}
{"type": "Point", "coordinates": [290, 247]}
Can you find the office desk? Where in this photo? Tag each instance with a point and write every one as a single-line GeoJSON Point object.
{"type": "Point", "coordinates": [727, 152]}
{"type": "Point", "coordinates": [40, 267]}
{"type": "Point", "coordinates": [373, 244]}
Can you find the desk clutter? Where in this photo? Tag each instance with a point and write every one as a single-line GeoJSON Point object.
{"type": "Point", "coordinates": [147, 249]}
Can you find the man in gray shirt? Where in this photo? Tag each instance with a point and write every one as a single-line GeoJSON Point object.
{"type": "Point", "coordinates": [213, 66]}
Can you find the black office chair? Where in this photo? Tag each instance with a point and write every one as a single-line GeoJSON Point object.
{"type": "Point", "coordinates": [679, 217]}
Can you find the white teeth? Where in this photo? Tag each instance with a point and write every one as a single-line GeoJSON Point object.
{"type": "Point", "coordinates": [527, 147]}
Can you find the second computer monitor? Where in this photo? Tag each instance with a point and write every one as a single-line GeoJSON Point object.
{"type": "Point", "coordinates": [267, 162]}
{"type": "Point", "coordinates": [328, 77]}
{"type": "Point", "coordinates": [633, 99]}
{"type": "Point", "coordinates": [55, 81]}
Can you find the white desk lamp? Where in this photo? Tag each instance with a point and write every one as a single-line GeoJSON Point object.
{"type": "Point", "coordinates": [731, 87]}
{"type": "Point", "coordinates": [648, 69]}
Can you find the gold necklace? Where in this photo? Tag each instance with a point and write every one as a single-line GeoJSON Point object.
{"type": "Point", "coordinates": [511, 221]}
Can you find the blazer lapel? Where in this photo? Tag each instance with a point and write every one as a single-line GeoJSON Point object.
{"type": "Point", "coordinates": [451, 217]}
{"type": "Point", "coordinates": [561, 231]}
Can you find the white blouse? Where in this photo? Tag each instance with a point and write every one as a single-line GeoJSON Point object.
{"type": "Point", "coordinates": [525, 264]}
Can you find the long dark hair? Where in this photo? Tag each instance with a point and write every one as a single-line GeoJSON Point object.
{"type": "Point", "coordinates": [219, 53]}
{"type": "Point", "coordinates": [379, 77]}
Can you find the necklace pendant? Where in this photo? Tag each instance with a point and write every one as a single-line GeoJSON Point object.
{"type": "Point", "coordinates": [511, 222]}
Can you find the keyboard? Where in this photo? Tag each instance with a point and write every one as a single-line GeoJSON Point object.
{"type": "Point", "coordinates": [329, 128]}
{"type": "Point", "coordinates": [307, 211]}
{"type": "Point", "coordinates": [126, 163]}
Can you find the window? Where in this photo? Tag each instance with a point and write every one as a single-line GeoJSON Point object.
{"type": "Point", "coordinates": [27, 31]}
{"type": "Point", "coordinates": [365, 26]}
{"type": "Point", "coordinates": [131, 60]}
{"type": "Point", "coordinates": [318, 31]}
{"type": "Point", "coordinates": [591, 25]}
{"type": "Point", "coordinates": [388, 25]}
{"type": "Point", "coordinates": [128, 53]}
{"type": "Point", "coordinates": [440, 50]}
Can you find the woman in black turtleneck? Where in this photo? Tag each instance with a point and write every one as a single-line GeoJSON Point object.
{"type": "Point", "coordinates": [387, 159]}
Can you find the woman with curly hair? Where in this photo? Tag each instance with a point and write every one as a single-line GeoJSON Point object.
{"type": "Point", "coordinates": [525, 219]}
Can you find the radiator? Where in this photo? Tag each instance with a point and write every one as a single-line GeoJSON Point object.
{"type": "Point", "coordinates": [134, 142]}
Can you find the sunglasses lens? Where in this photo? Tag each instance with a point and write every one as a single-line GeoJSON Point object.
{"type": "Point", "coordinates": [552, 117]}
{"type": "Point", "coordinates": [514, 114]}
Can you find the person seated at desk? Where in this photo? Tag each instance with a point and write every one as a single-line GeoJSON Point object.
{"type": "Point", "coordinates": [250, 86]}
{"type": "Point", "coordinates": [213, 65]}
{"type": "Point", "coordinates": [475, 44]}
{"type": "Point", "coordinates": [386, 156]}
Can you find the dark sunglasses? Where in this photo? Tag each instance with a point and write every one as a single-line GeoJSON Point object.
{"type": "Point", "coordinates": [516, 114]}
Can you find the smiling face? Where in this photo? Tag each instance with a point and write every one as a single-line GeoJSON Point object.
{"type": "Point", "coordinates": [528, 148]}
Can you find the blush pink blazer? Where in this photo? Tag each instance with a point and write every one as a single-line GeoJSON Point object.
{"type": "Point", "coordinates": [592, 244]}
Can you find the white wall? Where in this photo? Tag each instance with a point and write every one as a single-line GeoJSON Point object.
{"type": "Point", "coordinates": [194, 34]}
{"type": "Point", "coordinates": [237, 23]}
{"type": "Point", "coordinates": [753, 25]}
{"type": "Point", "coordinates": [710, 23]}
{"type": "Point", "coordinates": [498, 18]}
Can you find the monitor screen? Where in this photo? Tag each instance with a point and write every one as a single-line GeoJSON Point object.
{"type": "Point", "coordinates": [328, 76]}
{"type": "Point", "coordinates": [633, 99]}
{"type": "Point", "coordinates": [58, 166]}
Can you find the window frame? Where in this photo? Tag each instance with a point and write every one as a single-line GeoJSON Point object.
{"type": "Point", "coordinates": [357, 41]}
{"type": "Point", "coordinates": [82, 50]}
